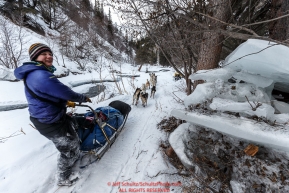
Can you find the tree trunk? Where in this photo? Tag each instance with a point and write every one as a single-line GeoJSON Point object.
{"type": "Point", "coordinates": [210, 50]}
{"type": "Point", "coordinates": [278, 29]}
{"type": "Point", "coordinates": [20, 3]}
{"type": "Point", "coordinates": [187, 72]}
{"type": "Point", "coordinates": [211, 46]}
{"type": "Point", "coordinates": [34, 3]}
{"type": "Point", "coordinates": [140, 67]}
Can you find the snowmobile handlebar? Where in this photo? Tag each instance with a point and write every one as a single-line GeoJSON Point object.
{"type": "Point", "coordinates": [80, 105]}
{"type": "Point", "coordinates": [95, 116]}
{"type": "Point", "coordinates": [74, 104]}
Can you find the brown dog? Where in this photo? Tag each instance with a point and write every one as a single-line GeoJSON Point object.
{"type": "Point", "coordinates": [153, 79]}
{"type": "Point", "coordinates": [153, 91]}
{"type": "Point", "coordinates": [144, 98]}
{"type": "Point", "coordinates": [148, 84]}
{"type": "Point", "coordinates": [136, 96]}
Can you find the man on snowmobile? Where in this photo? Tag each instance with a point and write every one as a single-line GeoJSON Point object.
{"type": "Point", "coordinates": [47, 98]}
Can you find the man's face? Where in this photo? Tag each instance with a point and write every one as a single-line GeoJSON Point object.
{"type": "Point", "coordinates": [46, 58]}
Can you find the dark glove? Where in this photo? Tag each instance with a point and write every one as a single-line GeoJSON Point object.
{"type": "Point", "coordinates": [88, 100]}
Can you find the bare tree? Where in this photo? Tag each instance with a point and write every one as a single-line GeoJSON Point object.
{"type": "Point", "coordinates": [52, 44]}
{"type": "Point", "coordinates": [116, 81]}
{"type": "Point", "coordinates": [215, 26]}
{"type": "Point", "coordinates": [51, 13]}
{"type": "Point", "coordinates": [100, 65]}
{"type": "Point", "coordinates": [211, 46]}
{"type": "Point", "coordinates": [279, 29]}
{"type": "Point", "coordinates": [168, 31]}
{"type": "Point", "coordinates": [76, 45]}
{"type": "Point", "coordinates": [12, 40]}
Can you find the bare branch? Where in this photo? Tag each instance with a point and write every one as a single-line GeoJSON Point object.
{"type": "Point", "coordinates": [256, 105]}
{"type": "Point", "coordinates": [267, 21]}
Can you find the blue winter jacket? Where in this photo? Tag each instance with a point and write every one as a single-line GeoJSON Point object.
{"type": "Point", "coordinates": [44, 84]}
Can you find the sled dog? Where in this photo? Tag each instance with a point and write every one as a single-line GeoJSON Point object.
{"type": "Point", "coordinates": [148, 84]}
{"type": "Point", "coordinates": [136, 96]}
{"type": "Point", "coordinates": [143, 88]}
{"type": "Point", "coordinates": [144, 98]}
{"type": "Point", "coordinates": [153, 91]}
{"type": "Point", "coordinates": [153, 79]}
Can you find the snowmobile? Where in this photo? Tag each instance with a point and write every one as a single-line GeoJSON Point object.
{"type": "Point", "coordinates": [98, 129]}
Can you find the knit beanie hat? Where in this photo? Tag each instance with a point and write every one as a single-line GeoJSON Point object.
{"type": "Point", "coordinates": [36, 49]}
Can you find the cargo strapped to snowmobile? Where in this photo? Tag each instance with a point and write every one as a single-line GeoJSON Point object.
{"type": "Point", "coordinates": [99, 128]}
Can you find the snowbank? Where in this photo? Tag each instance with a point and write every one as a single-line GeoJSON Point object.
{"type": "Point", "coordinates": [237, 98]}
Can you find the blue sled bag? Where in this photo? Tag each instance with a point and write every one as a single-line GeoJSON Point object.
{"type": "Point", "coordinates": [94, 138]}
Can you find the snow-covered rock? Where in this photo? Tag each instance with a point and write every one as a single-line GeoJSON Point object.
{"type": "Point", "coordinates": [175, 138]}
{"type": "Point", "coordinates": [6, 74]}
{"type": "Point", "coordinates": [262, 58]}
{"type": "Point", "coordinates": [242, 128]}
{"type": "Point", "coordinates": [244, 85]}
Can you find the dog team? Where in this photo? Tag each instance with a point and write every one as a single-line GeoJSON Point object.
{"type": "Point", "coordinates": [141, 92]}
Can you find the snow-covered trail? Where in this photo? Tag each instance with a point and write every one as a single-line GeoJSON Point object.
{"type": "Point", "coordinates": [134, 157]}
